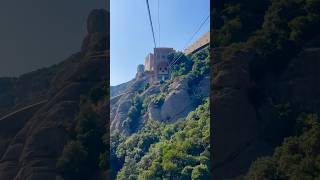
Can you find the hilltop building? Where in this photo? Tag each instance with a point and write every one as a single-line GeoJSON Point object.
{"type": "Point", "coordinates": [157, 63]}
{"type": "Point", "coordinates": [149, 62]}
{"type": "Point", "coordinates": [201, 43]}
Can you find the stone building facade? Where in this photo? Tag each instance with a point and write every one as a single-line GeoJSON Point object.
{"type": "Point", "coordinates": [149, 62]}
{"type": "Point", "coordinates": [157, 63]}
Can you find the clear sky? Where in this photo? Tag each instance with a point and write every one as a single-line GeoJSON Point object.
{"type": "Point", "coordinates": [131, 37]}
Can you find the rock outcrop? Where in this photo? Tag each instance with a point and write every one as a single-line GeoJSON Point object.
{"type": "Point", "coordinates": [120, 105]}
{"type": "Point", "coordinates": [179, 100]}
{"type": "Point", "coordinates": [234, 116]}
{"type": "Point", "coordinates": [245, 115]}
{"type": "Point", "coordinates": [98, 37]}
{"type": "Point", "coordinates": [33, 138]}
{"type": "Point", "coordinates": [119, 89]}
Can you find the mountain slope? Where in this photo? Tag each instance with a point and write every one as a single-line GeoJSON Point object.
{"type": "Point", "coordinates": [151, 115]}
{"type": "Point", "coordinates": [184, 92]}
{"type": "Point", "coordinates": [119, 89]}
{"type": "Point", "coordinates": [35, 139]}
{"type": "Point", "coordinates": [265, 75]}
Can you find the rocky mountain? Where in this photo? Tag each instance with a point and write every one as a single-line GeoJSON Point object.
{"type": "Point", "coordinates": [149, 113]}
{"type": "Point", "coordinates": [255, 129]}
{"type": "Point", "coordinates": [265, 77]}
{"type": "Point", "coordinates": [183, 93]}
{"type": "Point", "coordinates": [36, 107]}
{"type": "Point", "coordinates": [119, 89]}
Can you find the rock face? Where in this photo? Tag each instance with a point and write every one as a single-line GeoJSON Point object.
{"type": "Point", "coordinates": [243, 129]}
{"type": "Point", "coordinates": [179, 100]}
{"type": "Point", "coordinates": [119, 89]}
{"type": "Point", "coordinates": [98, 31]}
{"type": "Point", "coordinates": [140, 71]}
{"type": "Point", "coordinates": [182, 95]}
{"type": "Point", "coordinates": [234, 117]}
{"type": "Point", "coordinates": [26, 89]}
{"type": "Point", "coordinates": [32, 138]}
{"type": "Point", "coordinates": [119, 106]}
{"type": "Point", "coordinates": [301, 81]}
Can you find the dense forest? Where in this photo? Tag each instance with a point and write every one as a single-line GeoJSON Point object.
{"type": "Point", "coordinates": [85, 156]}
{"type": "Point", "coordinates": [165, 151]}
{"type": "Point", "coordinates": [282, 37]}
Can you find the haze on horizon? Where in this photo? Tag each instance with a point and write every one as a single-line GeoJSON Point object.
{"type": "Point", "coordinates": [41, 33]}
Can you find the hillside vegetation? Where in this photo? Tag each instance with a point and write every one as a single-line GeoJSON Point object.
{"type": "Point", "coordinates": [153, 142]}
{"type": "Point", "coordinates": [164, 151]}
{"type": "Point", "coordinates": [267, 52]}
{"type": "Point", "coordinates": [53, 139]}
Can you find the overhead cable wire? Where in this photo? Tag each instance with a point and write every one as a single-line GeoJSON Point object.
{"type": "Point", "coordinates": [193, 35]}
{"type": "Point", "coordinates": [150, 19]}
{"type": "Point", "coordinates": [159, 22]}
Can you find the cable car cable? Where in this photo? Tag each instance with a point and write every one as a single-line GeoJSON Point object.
{"type": "Point", "coordinates": [150, 19]}
{"type": "Point", "coordinates": [194, 34]}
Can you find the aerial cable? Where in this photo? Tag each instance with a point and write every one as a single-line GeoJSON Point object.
{"type": "Point", "coordinates": [159, 22]}
{"type": "Point", "coordinates": [202, 24]}
{"type": "Point", "coordinates": [193, 35]}
{"type": "Point", "coordinates": [150, 19]}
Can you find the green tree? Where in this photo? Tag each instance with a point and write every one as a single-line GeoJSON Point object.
{"type": "Point", "coordinates": [297, 158]}
{"type": "Point", "coordinates": [71, 164]}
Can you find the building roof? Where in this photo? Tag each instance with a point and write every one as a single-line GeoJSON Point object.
{"type": "Point", "coordinates": [202, 41]}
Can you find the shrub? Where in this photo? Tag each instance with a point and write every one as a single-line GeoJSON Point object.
{"type": "Point", "coordinates": [71, 164]}
{"type": "Point", "coordinates": [159, 100]}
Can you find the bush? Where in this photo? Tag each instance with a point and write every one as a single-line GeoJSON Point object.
{"type": "Point", "coordinates": [143, 88]}
{"type": "Point", "coordinates": [97, 93]}
{"type": "Point", "coordinates": [182, 66]}
{"type": "Point", "coordinates": [71, 164]}
{"type": "Point", "coordinates": [200, 172]}
{"type": "Point", "coordinates": [166, 151]}
{"type": "Point", "coordinates": [134, 114]}
{"type": "Point", "coordinates": [80, 158]}
{"type": "Point", "coordinates": [159, 100]}
{"type": "Point", "coordinates": [297, 157]}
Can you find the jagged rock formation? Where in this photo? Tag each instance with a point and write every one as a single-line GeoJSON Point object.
{"type": "Point", "coordinates": [119, 89]}
{"type": "Point", "coordinates": [119, 106]}
{"type": "Point", "coordinates": [233, 113]}
{"type": "Point", "coordinates": [33, 138]}
{"type": "Point", "coordinates": [140, 71]}
{"type": "Point", "coordinates": [180, 99]}
{"type": "Point", "coordinates": [26, 89]}
{"type": "Point", "coordinates": [248, 121]}
{"type": "Point", "coordinates": [98, 31]}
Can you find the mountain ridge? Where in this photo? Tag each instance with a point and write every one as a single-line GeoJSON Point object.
{"type": "Point", "coordinates": [30, 151]}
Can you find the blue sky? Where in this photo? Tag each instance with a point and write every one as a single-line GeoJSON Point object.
{"type": "Point", "coordinates": [131, 37]}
